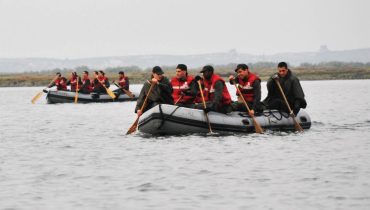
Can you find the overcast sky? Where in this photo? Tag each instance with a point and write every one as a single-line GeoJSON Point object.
{"type": "Point", "coordinates": [94, 28]}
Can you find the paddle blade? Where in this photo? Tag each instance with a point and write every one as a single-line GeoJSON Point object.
{"type": "Point", "coordinates": [36, 97]}
{"type": "Point", "coordinates": [297, 126]}
{"type": "Point", "coordinates": [129, 93]}
{"type": "Point", "coordinates": [257, 126]}
{"type": "Point", "coordinates": [110, 93]}
{"type": "Point", "coordinates": [133, 127]}
{"type": "Point", "coordinates": [76, 97]}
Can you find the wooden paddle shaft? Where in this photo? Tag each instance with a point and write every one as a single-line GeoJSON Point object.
{"type": "Point", "coordinates": [241, 96]}
{"type": "Point", "coordinates": [179, 99]}
{"type": "Point", "coordinates": [147, 96]}
{"type": "Point", "coordinates": [76, 96]}
{"type": "Point", "coordinates": [201, 94]}
{"type": "Point", "coordinates": [296, 123]}
{"type": "Point", "coordinates": [205, 107]}
{"type": "Point", "coordinates": [284, 97]}
{"type": "Point", "coordinates": [256, 124]}
{"type": "Point", "coordinates": [129, 93]}
{"type": "Point", "coordinates": [134, 125]}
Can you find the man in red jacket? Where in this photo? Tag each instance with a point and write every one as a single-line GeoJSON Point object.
{"type": "Point", "coordinates": [86, 86]}
{"type": "Point", "coordinates": [215, 91]}
{"type": "Point", "coordinates": [123, 83]}
{"type": "Point", "coordinates": [249, 85]}
{"type": "Point", "coordinates": [73, 81]}
{"type": "Point", "coordinates": [60, 82]}
{"type": "Point", "coordinates": [99, 82]}
{"type": "Point", "coordinates": [182, 85]}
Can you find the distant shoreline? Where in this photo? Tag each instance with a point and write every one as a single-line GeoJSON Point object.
{"type": "Point", "coordinates": [308, 72]}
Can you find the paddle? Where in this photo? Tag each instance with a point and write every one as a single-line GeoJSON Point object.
{"type": "Point", "coordinates": [109, 91]}
{"type": "Point", "coordinates": [297, 126]}
{"type": "Point", "coordinates": [177, 101]}
{"type": "Point", "coordinates": [257, 126]}
{"type": "Point", "coordinates": [205, 107]}
{"type": "Point", "coordinates": [134, 126]}
{"type": "Point", "coordinates": [129, 93]}
{"type": "Point", "coordinates": [76, 96]}
{"type": "Point", "coordinates": [38, 95]}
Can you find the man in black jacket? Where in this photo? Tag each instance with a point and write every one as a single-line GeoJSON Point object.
{"type": "Point", "coordinates": [292, 89]}
{"type": "Point", "coordinates": [161, 92]}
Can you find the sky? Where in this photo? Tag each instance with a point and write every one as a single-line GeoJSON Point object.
{"type": "Point", "coordinates": [97, 28]}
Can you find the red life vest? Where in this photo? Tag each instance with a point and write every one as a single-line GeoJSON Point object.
{"type": "Point", "coordinates": [122, 81]}
{"type": "Point", "coordinates": [61, 83]}
{"type": "Point", "coordinates": [209, 90]}
{"type": "Point", "coordinates": [105, 79]}
{"type": "Point", "coordinates": [88, 87]}
{"type": "Point", "coordinates": [246, 87]}
{"type": "Point", "coordinates": [101, 80]}
{"type": "Point", "coordinates": [73, 82]}
{"type": "Point", "coordinates": [180, 86]}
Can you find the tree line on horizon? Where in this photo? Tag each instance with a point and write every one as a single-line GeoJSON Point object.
{"type": "Point", "coordinates": [222, 68]}
{"type": "Point", "coordinates": [305, 71]}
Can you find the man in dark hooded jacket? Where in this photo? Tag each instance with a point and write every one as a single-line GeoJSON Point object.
{"type": "Point", "coordinates": [161, 92]}
{"type": "Point", "coordinates": [292, 89]}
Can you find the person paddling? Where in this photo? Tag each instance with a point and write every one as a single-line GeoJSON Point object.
{"type": "Point", "coordinates": [249, 85]}
{"type": "Point", "coordinates": [123, 84]}
{"type": "Point", "coordinates": [73, 81]}
{"type": "Point", "coordinates": [99, 81]}
{"type": "Point", "coordinates": [59, 82]}
{"type": "Point", "coordinates": [182, 85]}
{"type": "Point", "coordinates": [161, 93]}
{"type": "Point", "coordinates": [86, 86]}
{"type": "Point", "coordinates": [216, 94]}
{"type": "Point", "coordinates": [291, 87]}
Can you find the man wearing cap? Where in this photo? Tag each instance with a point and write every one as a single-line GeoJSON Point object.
{"type": "Point", "coordinates": [249, 85]}
{"type": "Point", "coordinates": [59, 82]}
{"type": "Point", "coordinates": [292, 89]}
{"type": "Point", "coordinates": [161, 92]}
{"type": "Point", "coordinates": [215, 92]}
{"type": "Point", "coordinates": [123, 83]}
{"type": "Point", "coordinates": [182, 85]}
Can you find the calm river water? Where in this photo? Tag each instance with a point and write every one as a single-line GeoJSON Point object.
{"type": "Point", "coordinates": [71, 156]}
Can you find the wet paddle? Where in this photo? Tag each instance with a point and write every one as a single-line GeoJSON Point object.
{"type": "Point", "coordinates": [205, 107]}
{"type": "Point", "coordinates": [39, 94]}
{"type": "Point", "coordinates": [129, 93]}
{"type": "Point", "coordinates": [297, 126]}
{"type": "Point", "coordinates": [76, 96]}
{"type": "Point", "coordinates": [257, 126]}
{"type": "Point", "coordinates": [134, 126]}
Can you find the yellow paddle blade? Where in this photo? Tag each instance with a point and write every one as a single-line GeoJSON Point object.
{"type": "Point", "coordinates": [76, 97]}
{"type": "Point", "coordinates": [36, 97]}
{"type": "Point", "coordinates": [110, 93]}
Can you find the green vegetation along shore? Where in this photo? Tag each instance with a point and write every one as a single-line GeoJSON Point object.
{"type": "Point", "coordinates": [306, 71]}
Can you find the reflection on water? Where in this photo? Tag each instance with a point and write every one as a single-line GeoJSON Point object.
{"type": "Point", "coordinates": [76, 156]}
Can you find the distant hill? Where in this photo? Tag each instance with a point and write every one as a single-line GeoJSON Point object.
{"type": "Point", "coordinates": [193, 61]}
